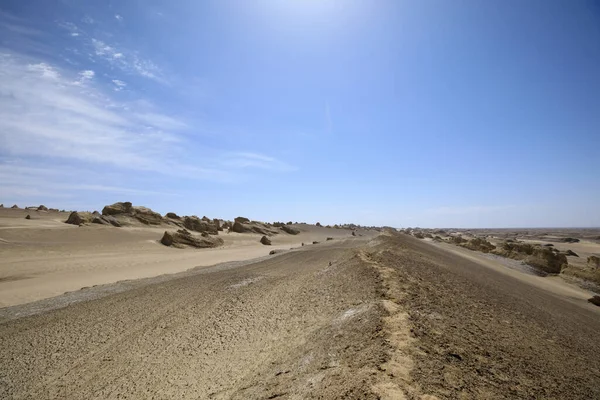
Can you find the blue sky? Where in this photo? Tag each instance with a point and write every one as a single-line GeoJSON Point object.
{"type": "Point", "coordinates": [403, 113]}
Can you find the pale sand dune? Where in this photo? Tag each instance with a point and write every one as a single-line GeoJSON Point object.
{"type": "Point", "coordinates": [44, 257]}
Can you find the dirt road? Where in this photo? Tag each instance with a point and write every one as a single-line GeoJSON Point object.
{"type": "Point", "coordinates": [389, 318]}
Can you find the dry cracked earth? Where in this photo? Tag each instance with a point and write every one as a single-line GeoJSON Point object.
{"type": "Point", "coordinates": [390, 318]}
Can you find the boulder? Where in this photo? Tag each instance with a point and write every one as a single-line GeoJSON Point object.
{"type": "Point", "coordinates": [289, 229]}
{"type": "Point", "coordinates": [118, 208]}
{"type": "Point", "coordinates": [194, 223]}
{"type": "Point", "coordinates": [265, 240]}
{"type": "Point", "coordinates": [318, 224]}
{"type": "Point", "coordinates": [315, 242]}
{"type": "Point", "coordinates": [217, 224]}
{"type": "Point", "coordinates": [353, 233]}
{"type": "Point", "coordinates": [172, 215]}
{"type": "Point", "coordinates": [329, 238]}
{"type": "Point", "coordinates": [241, 220]}
{"type": "Point", "coordinates": [1, 205]}
{"type": "Point", "coordinates": [593, 262]}
{"type": "Point", "coordinates": [79, 218]}
{"type": "Point", "coordinates": [42, 208]}
{"type": "Point", "coordinates": [570, 240]}
{"type": "Point", "coordinates": [15, 206]}
{"type": "Point", "coordinates": [183, 238]}
{"type": "Point", "coordinates": [28, 216]}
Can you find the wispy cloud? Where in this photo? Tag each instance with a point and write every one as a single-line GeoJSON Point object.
{"type": "Point", "coordinates": [45, 112]}
{"type": "Point", "coordinates": [51, 114]}
{"type": "Point", "coordinates": [118, 17]}
{"type": "Point", "coordinates": [125, 60]}
{"type": "Point", "coordinates": [16, 25]}
{"type": "Point", "coordinates": [254, 160]}
{"type": "Point", "coordinates": [128, 62]}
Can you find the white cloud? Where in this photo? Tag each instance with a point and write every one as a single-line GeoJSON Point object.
{"type": "Point", "coordinates": [118, 17]}
{"type": "Point", "coordinates": [119, 85]}
{"type": "Point", "coordinates": [74, 34]}
{"type": "Point", "coordinates": [84, 77]}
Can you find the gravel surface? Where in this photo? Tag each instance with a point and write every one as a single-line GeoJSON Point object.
{"type": "Point", "coordinates": [389, 318]}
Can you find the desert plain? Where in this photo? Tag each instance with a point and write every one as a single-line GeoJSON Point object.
{"type": "Point", "coordinates": [110, 306]}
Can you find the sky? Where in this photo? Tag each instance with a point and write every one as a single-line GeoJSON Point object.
{"type": "Point", "coordinates": [402, 113]}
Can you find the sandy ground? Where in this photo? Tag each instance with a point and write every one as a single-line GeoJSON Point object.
{"type": "Point", "coordinates": [44, 257]}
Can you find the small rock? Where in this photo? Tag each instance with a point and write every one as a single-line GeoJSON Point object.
{"type": "Point", "coordinates": [315, 242]}
{"type": "Point", "coordinates": [28, 216]}
{"type": "Point", "coordinates": [595, 300]}
{"type": "Point", "coordinates": [265, 240]}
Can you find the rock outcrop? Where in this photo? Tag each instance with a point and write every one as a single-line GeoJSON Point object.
{"type": "Point", "coordinates": [183, 238]}
{"type": "Point", "coordinates": [289, 229]}
{"type": "Point", "coordinates": [593, 262]}
{"type": "Point", "coordinates": [537, 256]}
{"type": "Point", "coordinates": [118, 208]}
{"type": "Point", "coordinates": [252, 227]}
{"type": "Point", "coordinates": [15, 206]}
{"type": "Point", "coordinates": [478, 244]}
{"type": "Point", "coordinates": [147, 216]}
{"type": "Point", "coordinates": [42, 208]}
{"type": "Point", "coordinates": [194, 223]}
{"type": "Point", "coordinates": [126, 212]}
{"type": "Point", "coordinates": [265, 240]}
{"type": "Point", "coordinates": [105, 220]}
{"type": "Point", "coordinates": [172, 215]}
{"type": "Point", "coordinates": [79, 218]}
{"type": "Point", "coordinates": [241, 220]}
